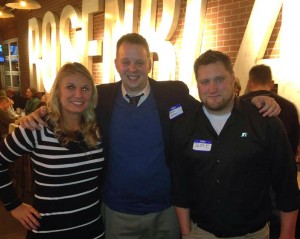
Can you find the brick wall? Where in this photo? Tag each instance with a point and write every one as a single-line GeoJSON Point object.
{"type": "Point", "coordinates": [98, 34]}
{"type": "Point", "coordinates": [225, 24]}
{"type": "Point", "coordinates": [273, 49]}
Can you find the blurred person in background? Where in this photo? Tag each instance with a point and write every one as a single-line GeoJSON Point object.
{"type": "Point", "coordinates": [43, 101]}
{"type": "Point", "coordinates": [261, 83]}
{"type": "Point", "coordinates": [5, 118]}
{"type": "Point", "coordinates": [19, 101]}
{"type": "Point", "coordinates": [11, 111]}
{"type": "Point", "coordinates": [32, 100]}
{"type": "Point", "coordinates": [237, 86]}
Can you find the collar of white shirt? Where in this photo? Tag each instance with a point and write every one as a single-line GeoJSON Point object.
{"type": "Point", "coordinates": [145, 93]}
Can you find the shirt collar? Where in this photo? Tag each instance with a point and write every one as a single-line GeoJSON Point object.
{"type": "Point", "coordinates": [145, 93]}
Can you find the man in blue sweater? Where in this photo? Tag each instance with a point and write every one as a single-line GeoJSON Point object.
{"type": "Point", "coordinates": [136, 195]}
{"type": "Point", "coordinates": [137, 186]}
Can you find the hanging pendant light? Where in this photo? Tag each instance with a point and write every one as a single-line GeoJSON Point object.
{"type": "Point", "coordinates": [4, 13]}
{"type": "Point", "coordinates": [27, 5]}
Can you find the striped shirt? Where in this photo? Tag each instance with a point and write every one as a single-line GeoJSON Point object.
{"type": "Point", "coordinates": [66, 182]}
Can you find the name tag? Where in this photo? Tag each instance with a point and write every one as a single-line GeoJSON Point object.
{"type": "Point", "coordinates": [202, 145]}
{"type": "Point", "coordinates": [175, 111]}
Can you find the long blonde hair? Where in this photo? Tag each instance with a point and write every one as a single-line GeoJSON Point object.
{"type": "Point", "coordinates": [88, 125]}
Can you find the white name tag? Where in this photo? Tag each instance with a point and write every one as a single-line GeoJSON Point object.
{"type": "Point", "coordinates": [175, 111]}
{"type": "Point", "coordinates": [202, 145]}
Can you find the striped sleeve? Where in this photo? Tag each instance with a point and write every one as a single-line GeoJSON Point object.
{"type": "Point", "coordinates": [11, 149]}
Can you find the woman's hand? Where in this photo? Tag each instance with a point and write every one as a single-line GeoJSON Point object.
{"type": "Point", "coordinates": [27, 216]}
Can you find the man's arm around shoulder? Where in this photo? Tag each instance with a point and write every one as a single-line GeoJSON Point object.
{"type": "Point", "coordinates": [34, 120]}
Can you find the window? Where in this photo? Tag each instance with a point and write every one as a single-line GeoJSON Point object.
{"type": "Point", "coordinates": [9, 56]}
{"type": "Point", "coordinates": [1, 55]}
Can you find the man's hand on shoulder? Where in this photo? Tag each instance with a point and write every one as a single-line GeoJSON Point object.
{"type": "Point", "coordinates": [34, 120]}
{"type": "Point", "coordinates": [267, 105]}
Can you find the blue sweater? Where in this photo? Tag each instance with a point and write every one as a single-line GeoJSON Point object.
{"type": "Point", "coordinates": [138, 180]}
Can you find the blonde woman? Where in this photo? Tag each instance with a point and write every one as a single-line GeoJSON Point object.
{"type": "Point", "coordinates": [67, 159]}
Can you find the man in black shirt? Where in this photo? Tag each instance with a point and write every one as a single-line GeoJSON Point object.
{"type": "Point", "coordinates": [226, 156]}
{"type": "Point", "coordinates": [260, 83]}
{"type": "Point", "coordinates": [19, 101]}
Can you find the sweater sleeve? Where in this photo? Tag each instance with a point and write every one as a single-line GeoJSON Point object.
{"type": "Point", "coordinates": [11, 149]}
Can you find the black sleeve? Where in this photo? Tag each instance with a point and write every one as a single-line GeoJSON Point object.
{"type": "Point", "coordinates": [283, 167]}
{"type": "Point", "coordinates": [179, 167]}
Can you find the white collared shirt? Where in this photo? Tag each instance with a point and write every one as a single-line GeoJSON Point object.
{"type": "Point", "coordinates": [145, 93]}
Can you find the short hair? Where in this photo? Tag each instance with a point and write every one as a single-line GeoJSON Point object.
{"type": "Point", "coordinates": [89, 127]}
{"type": "Point", "coordinates": [210, 57]}
{"type": "Point", "coordinates": [134, 38]}
{"type": "Point", "coordinates": [260, 74]}
{"type": "Point", "coordinates": [9, 90]}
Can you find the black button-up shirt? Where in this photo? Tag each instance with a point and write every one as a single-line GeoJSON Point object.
{"type": "Point", "coordinates": [225, 179]}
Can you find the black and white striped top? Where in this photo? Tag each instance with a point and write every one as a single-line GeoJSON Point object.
{"type": "Point", "coordinates": [66, 181]}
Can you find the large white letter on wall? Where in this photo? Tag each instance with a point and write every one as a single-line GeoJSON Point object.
{"type": "Point", "coordinates": [115, 26]}
{"type": "Point", "coordinates": [89, 7]}
{"type": "Point", "coordinates": [159, 38]}
{"type": "Point", "coordinates": [256, 37]}
{"type": "Point", "coordinates": [120, 18]}
{"type": "Point", "coordinates": [131, 15]}
{"type": "Point", "coordinates": [50, 43]}
{"type": "Point", "coordinates": [169, 19]}
{"type": "Point", "coordinates": [34, 49]}
{"type": "Point", "coordinates": [113, 29]}
{"type": "Point", "coordinates": [70, 52]}
{"type": "Point", "coordinates": [191, 40]}
{"type": "Point", "coordinates": [148, 17]}
{"type": "Point", "coordinates": [289, 84]}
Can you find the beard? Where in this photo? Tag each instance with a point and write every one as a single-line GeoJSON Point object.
{"type": "Point", "coordinates": [219, 106]}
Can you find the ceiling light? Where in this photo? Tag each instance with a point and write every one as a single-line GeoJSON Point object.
{"type": "Point", "coordinates": [28, 4]}
{"type": "Point", "coordinates": [4, 13]}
